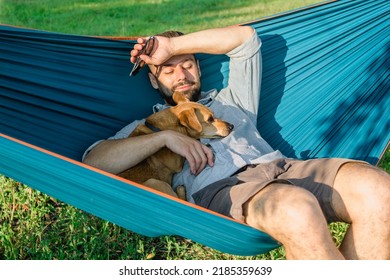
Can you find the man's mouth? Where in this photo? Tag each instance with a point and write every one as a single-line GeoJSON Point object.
{"type": "Point", "coordinates": [183, 87]}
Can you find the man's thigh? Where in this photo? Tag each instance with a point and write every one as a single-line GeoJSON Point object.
{"type": "Point", "coordinates": [360, 186]}
{"type": "Point", "coordinates": [318, 177]}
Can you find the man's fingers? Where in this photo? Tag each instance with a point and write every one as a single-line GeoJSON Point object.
{"type": "Point", "coordinates": [193, 159]}
{"type": "Point", "coordinates": [209, 154]}
{"type": "Point", "coordinates": [196, 154]}
{"type": "Point", "coordinates": [137, 49]}
{"type": "Point", "coordinates": [200, 157]}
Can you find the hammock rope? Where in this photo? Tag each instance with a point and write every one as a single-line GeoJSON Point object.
{"type": "Point", "coordinates": [325, 93]}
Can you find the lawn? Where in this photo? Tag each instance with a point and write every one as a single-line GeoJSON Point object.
{"type": "Point", "coordinates": [36, 226]}
{"type": "Point", "coordinates": [134, 17]}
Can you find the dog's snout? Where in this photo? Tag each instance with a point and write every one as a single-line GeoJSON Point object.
{"type": "Point", "coordinates": [230, 126]}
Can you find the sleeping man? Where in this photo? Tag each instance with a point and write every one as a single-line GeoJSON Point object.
{"type": "Point", "coordinates": [241, 175]}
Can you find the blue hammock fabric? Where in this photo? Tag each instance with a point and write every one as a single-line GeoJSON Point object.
{"type": "Point", "coordinates": [325, 93]}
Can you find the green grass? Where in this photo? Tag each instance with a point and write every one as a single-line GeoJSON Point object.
{"type": "Point", "coordinates": [134, 17]}
{"type": "Point", "coordinates": [36, 226]}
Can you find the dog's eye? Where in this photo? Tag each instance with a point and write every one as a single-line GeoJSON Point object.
{"type": "Point", "coordinates": [210, 119]}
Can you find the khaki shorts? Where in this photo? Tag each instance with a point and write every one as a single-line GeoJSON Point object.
{"type": "Point", "coordinates": [227, 196]}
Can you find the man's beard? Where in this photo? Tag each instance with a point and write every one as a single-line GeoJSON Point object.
{"type": "Point", "coordinates": [192, 94]}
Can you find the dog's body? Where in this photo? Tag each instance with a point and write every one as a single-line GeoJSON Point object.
{"type": "Point", "coordinates": [189, 118]}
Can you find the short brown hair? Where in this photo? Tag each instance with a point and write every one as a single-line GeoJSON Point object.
{"type": "Point", "coordinates": [170, 34]}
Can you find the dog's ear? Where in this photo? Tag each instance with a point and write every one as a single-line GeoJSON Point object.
{"type": "Point", "coordinates": [179, 97]}
{"type": "Point", "coordinates": [189, 119]}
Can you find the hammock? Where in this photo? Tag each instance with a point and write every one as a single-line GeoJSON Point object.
{"type": "Point", "coordinates": [325, 93]}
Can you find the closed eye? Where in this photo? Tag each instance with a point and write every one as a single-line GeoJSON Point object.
{"type": "Point", "coordinates": [168, 70]}
{"type": "Point", "coordinates": [210, 119]}
{"type": "Point", "coordinates": [188, 64]}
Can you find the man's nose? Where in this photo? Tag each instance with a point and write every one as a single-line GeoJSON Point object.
{"type": "Point", "coordinates": [180, 73]}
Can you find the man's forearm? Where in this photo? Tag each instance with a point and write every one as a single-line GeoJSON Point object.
{"type": "Point", "coordinates": [212, 41]}
{"type": "Point", "coordinates": [117, 155]}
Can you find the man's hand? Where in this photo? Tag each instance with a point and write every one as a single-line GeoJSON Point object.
{"type": "Point", "coordinates": [160, 52]}
{"type": "Point", "coordinates": [197, 154]}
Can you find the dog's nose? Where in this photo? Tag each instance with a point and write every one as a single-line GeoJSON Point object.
{"type": "Point", "coordinates": [230, 126]}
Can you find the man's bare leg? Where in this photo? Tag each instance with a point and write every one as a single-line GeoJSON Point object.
{"type": "Point", "coordinates": [362, 197]}
{"type": "Point", "coordinates": [292, 216]}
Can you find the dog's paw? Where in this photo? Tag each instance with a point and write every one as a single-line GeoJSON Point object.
{"type": "Point", "coordinates": [181, 192]}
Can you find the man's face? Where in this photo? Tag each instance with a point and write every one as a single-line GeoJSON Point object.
{"type": "Point", "coordinates": [180, 73]}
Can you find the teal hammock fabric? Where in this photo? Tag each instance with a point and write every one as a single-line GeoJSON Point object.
{"type": "Point", "coordinates": [325, 93]}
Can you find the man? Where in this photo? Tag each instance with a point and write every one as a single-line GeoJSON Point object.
{"type": "Point", "coordinates": [241, 175]}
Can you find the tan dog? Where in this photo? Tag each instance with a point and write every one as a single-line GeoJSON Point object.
{"type": "Point", "coordinates": [189, 118]}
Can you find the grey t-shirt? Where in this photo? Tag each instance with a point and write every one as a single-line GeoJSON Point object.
{"type": "Point", "coordinates": [236, 104]}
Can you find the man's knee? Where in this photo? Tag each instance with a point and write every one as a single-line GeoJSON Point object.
{"type": "Point", "coordinates": [283, 208]}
